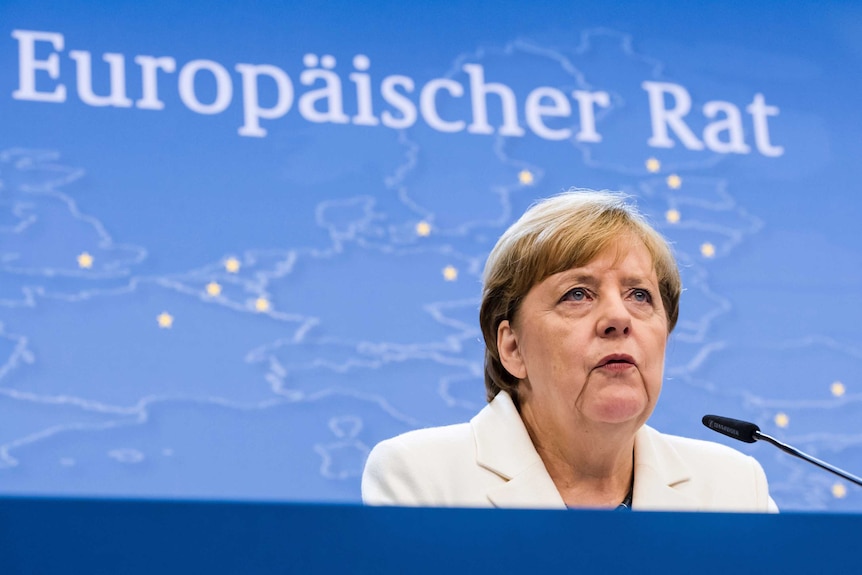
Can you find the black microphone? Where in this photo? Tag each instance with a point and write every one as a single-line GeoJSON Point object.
{"type": "Point", "coordinates": [741, 430]}
{"type": "Point", "coordinates": [749, 433]}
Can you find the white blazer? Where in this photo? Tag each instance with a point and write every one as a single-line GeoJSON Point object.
{"type": "Point", "coordinates": [491, 462]}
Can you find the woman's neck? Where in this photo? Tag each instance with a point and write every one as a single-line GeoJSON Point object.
{"type": "Point", "coordinates": [591, 467]}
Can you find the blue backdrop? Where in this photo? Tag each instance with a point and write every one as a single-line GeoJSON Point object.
{"type": "Point", "coordinates": [241, 245]}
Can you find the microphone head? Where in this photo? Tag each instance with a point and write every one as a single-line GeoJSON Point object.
{"type": "Point", "coordinates": [735, 428]}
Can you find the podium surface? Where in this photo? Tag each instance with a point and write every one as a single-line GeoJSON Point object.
{"type": "Point", "coordinates": [44, 535]}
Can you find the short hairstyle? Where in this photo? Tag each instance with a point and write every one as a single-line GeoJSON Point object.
{"type": "Point", "coordinates": [556, 234]}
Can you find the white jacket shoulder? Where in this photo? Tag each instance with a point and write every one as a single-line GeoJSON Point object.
{"type": "Point", "coordinates": [713, 476]}
{"type": "Point", "coordinates": [415, 468]}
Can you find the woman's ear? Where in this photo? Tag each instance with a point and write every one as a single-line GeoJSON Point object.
{"type": "Point", "coordinates": [509, 350]}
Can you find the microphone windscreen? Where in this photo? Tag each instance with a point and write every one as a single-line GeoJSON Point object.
{"type": "Point", "coordinates": [735, 428]}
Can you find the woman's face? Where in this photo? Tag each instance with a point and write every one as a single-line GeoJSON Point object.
{"type": "Point", "coordinates": [588, 343]}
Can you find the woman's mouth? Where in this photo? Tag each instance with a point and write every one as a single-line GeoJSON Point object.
{"type": "Point", "coordinates": [616, 362]}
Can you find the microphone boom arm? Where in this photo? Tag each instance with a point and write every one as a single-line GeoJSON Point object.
{"type": "Point", "coordinates": [795, 452]}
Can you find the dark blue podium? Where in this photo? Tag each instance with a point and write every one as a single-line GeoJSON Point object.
{"type": "Point", "coordinates": [41, 535]}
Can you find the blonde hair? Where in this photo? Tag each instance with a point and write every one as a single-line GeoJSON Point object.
{"type": "Point", "coordinates": [556, 234]}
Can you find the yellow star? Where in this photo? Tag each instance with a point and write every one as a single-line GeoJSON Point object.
{"type": "Point", "coordinates": [653, 165]}
{"type": "Point", "coordinates": [262, 304]}
{"type": "Point", "coordinates": [85, 261]}
{"type": "Point", "coordinates": [232, 265]}
{"type": "Point", "coordinates": [839, 491]}
{"type": "Point", "coordinates": [837, 389]}
{"type": "Point", "coordinates": [165, 320]}
{"type": "Point", "coordinates": [525, 177]}
{"type": "Point", "coordinates": [781, 420]}
{"type": "Point", "coordinates": [672, 216]}
{"type": "Point", "coordinates": [674, 181]}
{"type": "Point", "coordinates": [213, 289]}
{"type": "Point", "coordinates": [707, 250]}
{"type": "Point", "coordinates": [450, 274]}
{"type": "Point", "coordinates": [423, 229]}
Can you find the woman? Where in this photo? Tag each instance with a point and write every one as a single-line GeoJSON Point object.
{"type": "Point", "coordinates": [580, 296]}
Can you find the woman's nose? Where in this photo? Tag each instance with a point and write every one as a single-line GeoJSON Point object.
{"type": "Point", "coordinates": [614, 317]}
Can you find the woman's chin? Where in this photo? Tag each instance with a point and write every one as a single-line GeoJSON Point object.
{"type": "Point", "coordinates": [618, 410]}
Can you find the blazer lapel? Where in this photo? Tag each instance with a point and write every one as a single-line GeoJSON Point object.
{"type": "Point", "coordinates": [503, 446]}
{"type": "Point", "coordinates": [661, 475]}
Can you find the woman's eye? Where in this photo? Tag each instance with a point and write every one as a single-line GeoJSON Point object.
{"type": "Point", "coordinates": [641, 295]}
{"type": "Point", "coordinates": [577, 294]}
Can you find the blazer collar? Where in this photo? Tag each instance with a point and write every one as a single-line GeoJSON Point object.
{"type": "Point", "coordinates": [660, 474]}
{"type": "Point", "coordinates": [504, 447]}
